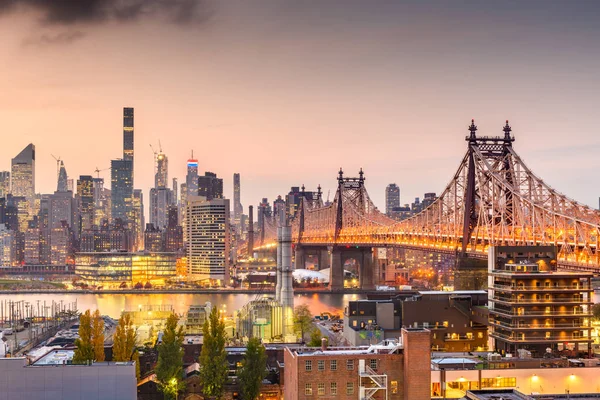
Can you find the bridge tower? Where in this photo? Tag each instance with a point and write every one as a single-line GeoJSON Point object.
{"type": "Point", "coordinates": [471, 273]}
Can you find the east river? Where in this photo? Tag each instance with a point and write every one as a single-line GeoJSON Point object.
{"type": "Point", "coordinates": [113, 304]}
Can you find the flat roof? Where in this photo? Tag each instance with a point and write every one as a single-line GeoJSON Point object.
{"type": "Point", "coordinates": [453, 292]}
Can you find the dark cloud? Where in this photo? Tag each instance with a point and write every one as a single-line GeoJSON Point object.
{"type": "Point", "coordinates": [65, 12]}
{"type": "Point", "coordinates": [57, 39]}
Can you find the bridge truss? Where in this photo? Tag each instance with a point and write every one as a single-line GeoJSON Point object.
{"type": "Point", "coordinates": [493, 199]}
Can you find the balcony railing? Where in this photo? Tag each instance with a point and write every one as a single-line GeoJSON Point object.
{"type": "Point", "coordinates": [558, 300]}
{"type": "Point", "coordinates": [541, 313]}
{"type": "Point", "coordinates": [579, 326]}
{"type": "Point", "coordinates": [582, 288]}
{"type": "Point", "coordinates": [519, 338]}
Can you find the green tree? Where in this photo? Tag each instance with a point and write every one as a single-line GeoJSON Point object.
{"type": "Point", "coordinates": [84, 352]}
{"type": "Point", "coordinates": [169, 368]}
{"type": "Point", "coordinates": [213, 358]}
{"type": "Point", "coordinates": [98, 336]}
{"type": "Point", "coordinates": [302, 320]}
{"type": "Point", "coordinates": [315, 338]}
{"type": "Point", "coordinates": [254, 369]}
{"type": "Point", "coordinates": [124, 341]}
{"type": "Point", "coordinates": [596, 311]}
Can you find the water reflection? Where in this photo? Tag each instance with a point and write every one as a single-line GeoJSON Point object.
{"type": "Point", "coordinates": [113, 304]}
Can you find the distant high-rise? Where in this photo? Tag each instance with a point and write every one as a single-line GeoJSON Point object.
{"type": "Point", "coordinates": [191, 179]}
{"type": "Point", "coordinates": [238, 210]}
{"type": "Point", "coordinates": [4, 183]}
{"type": "Point", "coordinates": [209, 186]}
{"type": "Point", "coordinates": [62, 184]}
{"type": "Point", "coordinates": [137, 220]}
{"type": "Point", "coordinates": [160, 200]}
{"type": "Point", "coordinates": [121, 178]}
{"type": "Point", "coordinates": [162, 171]}
{"type": "Point", "coordinates": [392, 197]}
{"type": "Point", "coordinates": [128, 133]}
{"type": "Point", "coordinates": [85, 192]}
{"type": "Point", "coordinates": [23, 174]}
{"type": "Point", "coordinates": [207, 223]}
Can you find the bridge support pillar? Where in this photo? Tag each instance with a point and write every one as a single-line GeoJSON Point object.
{"type": "Point", "coordinates": [366, 270]}
{"type": "Point", "coordinates": [299, 258]}
{"type": "Point", "coordinates": [336, 271]}
{"type": "Point", "coordinates": [323, 259]}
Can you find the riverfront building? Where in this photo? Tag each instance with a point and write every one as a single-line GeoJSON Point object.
{"type": "Point", "coordinates": [535, 307]}
{"type": "Point", "coordinates": [114, 269]}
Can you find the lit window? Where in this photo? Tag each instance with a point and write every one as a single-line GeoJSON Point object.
{"type": "Point", "coordinates": [480, 335]}
{"type": "Point", "coordinates": [334, 388]}
{"type": "Point", "coordinates": [308, 389]}
{"type": "Point", "coordinates": [349, 365]}
{"type": "Point", "coordinates": [308, 365]}
{"type": "Point", "coordinates": [333, 365]}
{"type": "Point", "coordinates": [394, 387]}
{"type": "Point", "coordinates": [321, 389]}
{"type": "Point", "coordinates": [349, 388]}
{"type": "Point", "coordinates": [321, 365]}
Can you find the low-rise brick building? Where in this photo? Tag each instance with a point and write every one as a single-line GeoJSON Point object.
{"type": "Point", "coordinates": [351, 372]}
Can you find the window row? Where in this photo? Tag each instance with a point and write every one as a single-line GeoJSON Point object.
{"type": "Point", "coordinates": [333, 388]}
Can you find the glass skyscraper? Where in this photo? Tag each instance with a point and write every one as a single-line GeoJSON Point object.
{"type": "Point", "coordinates": [121, 180]}
{"type": "Point", "coordinates": [128, 133]}
{"type": "Point", "coordinates": [23, 174]}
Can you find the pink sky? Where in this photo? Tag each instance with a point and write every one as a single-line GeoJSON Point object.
{"type": "Point", "coordinates": [286, 93]}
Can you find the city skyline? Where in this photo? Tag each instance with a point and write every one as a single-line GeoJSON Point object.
{"type": "Point", "coordinates": [414, 76]}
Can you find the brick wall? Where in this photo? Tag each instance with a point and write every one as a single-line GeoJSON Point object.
{"type": "Point", "coordinates": [417, 364]}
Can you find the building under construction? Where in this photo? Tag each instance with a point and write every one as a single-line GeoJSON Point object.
{"type": "Point", "coordinates": [262, 318]}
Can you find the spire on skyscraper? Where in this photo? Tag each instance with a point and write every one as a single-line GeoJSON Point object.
{"type": "Point", "coordinates": [62, 185]}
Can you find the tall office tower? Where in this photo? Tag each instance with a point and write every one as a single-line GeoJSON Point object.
{"type": "Point", "coordinates": [4, 183]}
{"type": "Point", "coordinates": [44, 225]}
{"type": "Point", "coordinates": [22, 175]}
{"type": "Point", "coordinates": [191, 179]}
{"type": "Point", "coordinates": [18, 211]}
{"type": "Point", "coordinates": [207, 223]}
{"type": "Point", "coordinates": [173, 232]}
{"type": "Point", "coordinates": [60, 244]}
{"type": "Point", "coordinates": [102, 201]}
{"type": "Point", "coordinates": [61, 209]}
{"type": "Point", "coordinates": [175, 192]}
{"type": "Point", "coordinates": [162, 171]}
{"type": "Point", "coordinates": [138, 223]}
{"type": "Point", "coordinates": [62, 184]}
{"type": "Point", "coordinates": [85, 192]}
{"type": "Point", "coordinates": [263, 213]}
{"type": "Point", "coordinates": [121, 189]}
{"type": "Point", "coordinates": [128, 135]}
{"type": "Point", "coordinates": [160, 200]}
{"type": "Point", "coordinates": [8, 256]}
{"type": "Point", "coordinates": [392, 198]}
{"type": "Point", "coordinates": [238, 210]}
{"type": "Point", "coordinates": [153, 238]}
{"type": "Point", "coordinates": [210, 186]}
{"type": "Point", "coordinates": [250, 231]}
{"type": "Point", "coordinates": [32, 246]}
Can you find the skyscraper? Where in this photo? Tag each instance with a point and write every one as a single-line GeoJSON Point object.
{"type": "Point", "coordinates": [62, 184]}
{"type": "Point", "coordinates": [128, 133]}
{"type": "Point", "coordinates": [85, 192]}
{"type": "Point", "coordinates": [23, 174]}
{"type": "Point", "coordinates": [162, 171]}
{"type": "Point", "coordinates": [160, 200]}
{"type": "Point", "coordinates": [137, 220]}
{"type": "Point", "coordinates": [191, 179]}
{"type": "Point", "coordinates": [210, 186]}
{"type": "Point", "coordinates": [238, 210]}
{"type": "Point", "coordinates": [121, 189]}
{"type": "Point", "coordinates": [207, 223]}
{"type": "Point", "coordinates": [4, 183]}
{"type": "Point", "coordinates": [392, 198]}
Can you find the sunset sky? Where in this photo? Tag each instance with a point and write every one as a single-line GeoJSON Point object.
{"type": "Point", "coordinates": [286, 92]}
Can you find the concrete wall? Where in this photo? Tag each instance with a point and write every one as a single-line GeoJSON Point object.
{"type": "Point", "coordinates": [101, 381]}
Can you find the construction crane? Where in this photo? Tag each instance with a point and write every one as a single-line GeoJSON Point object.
{"type": "Point", "coordinates": [97, 171]}
{"type": "Point", "coordinates": [58, 160]}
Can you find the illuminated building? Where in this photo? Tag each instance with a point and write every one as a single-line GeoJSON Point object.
{"type": "Point", "coordinates": [261, 318]}
{"type": "Point", "coordinates": [195, 317]}
{"type": "Point", "coordinates": [62, 184]}
{"type": "Point", "coordinates": [114, 268]}
{"type": "Point", "coordinates": [128, 135]}
{"type": "Point", "coordinates": [153, 238]}
{"type": "Point", "coordinates": [102, 201]}
{"type": "Point", "coordinates": [173, 234]}
{"type": "Point", "coordinates": [209, 186]}
{"type": "Point", "coordinates": [535, 307]}
{"type": "Point", "coordinates": [392, 197]}
{"type": "Point", "coordinates": [85, 192]}
{"type": "Point", "coordinates": [264, 212]}
{"type": "Point", "coordinates": [137, 222]}
{"type": "Point", "coordinates": [60, 243]}
{"type": "Point", "coordinates": [162, 171]}
{"type": "Point", "coordinates": [208, 239]}
{"type": "Point", "coordinates": [23, 174]}
{"type": "Point", "coordinates": [191, 179]}
{"type": "Point", "coordinates": [8, 256]}
{"type": "Point", "coordinates": [237, 204]}
{"type": "Point", "coordinates": [107, 237]}
{"type": "Point", "coordinates": [62, 208]}
{"type": "Point", "coordinates": [4, 183]}
{"type": "Point", "coordinates": [32, 246]}
{"type": "Point", "coordinates": [160, 200]}
{"type": "Point", "coordinates": [121, 189]}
